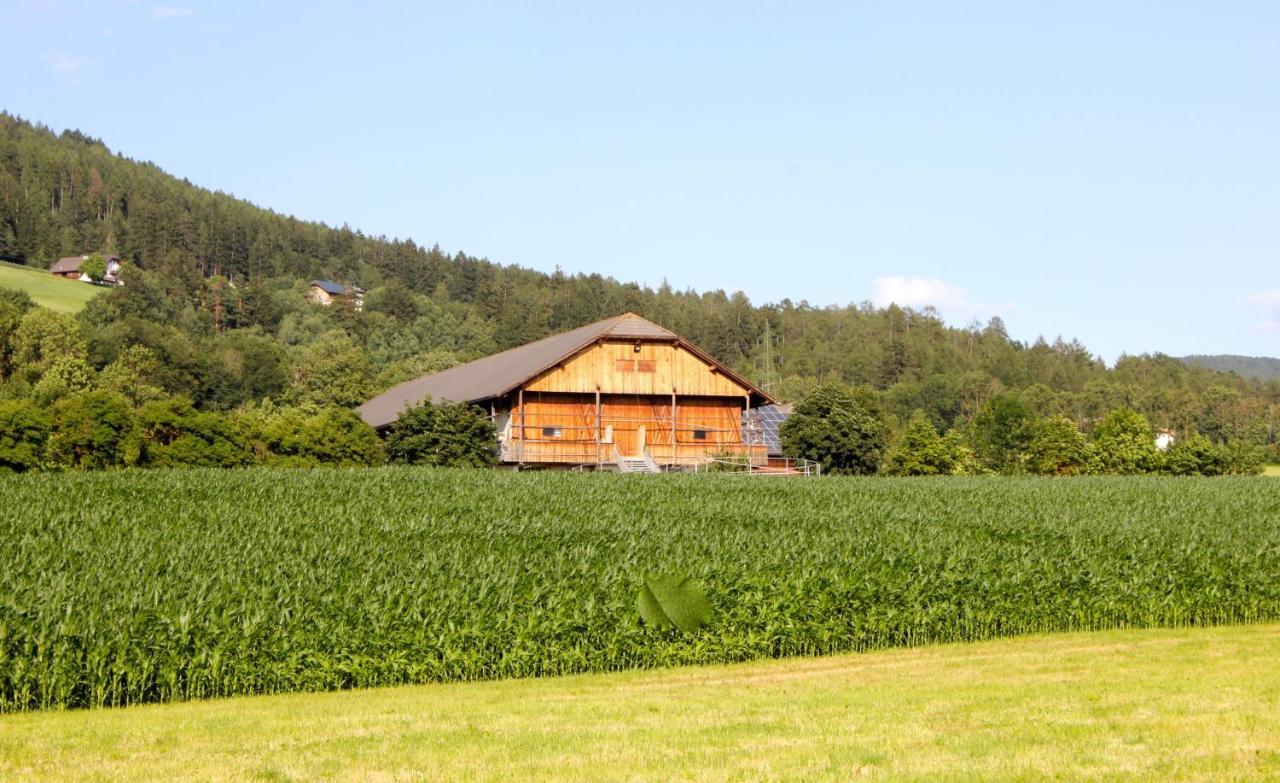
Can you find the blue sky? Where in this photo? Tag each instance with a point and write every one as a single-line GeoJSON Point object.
{"type": "Point", "coordinates": [1108, 171]}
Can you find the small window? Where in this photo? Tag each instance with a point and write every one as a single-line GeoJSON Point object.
{"type": "Point", "coordinates": [699, 434]}
{"type": "Point", "coordinates": [550, 432]}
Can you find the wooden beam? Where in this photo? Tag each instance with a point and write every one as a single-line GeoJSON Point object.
{"type": "Point", "coordinates": [598, 434]}
{"type": "Point", "coordinates": [673, 425]}
{"type": "Point", "coordinates": [520, 457]}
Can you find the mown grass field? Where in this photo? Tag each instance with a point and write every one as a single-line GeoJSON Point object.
{"type": "Point", "coordinates": [1153, 705]}
{"type": "Point", "coordinates": [154, 586]}
{"type": "Point", "coordinates": [55, 293]}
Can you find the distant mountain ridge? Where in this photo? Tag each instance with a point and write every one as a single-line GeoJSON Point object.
{"type": "Point", "coordinates": [1259, 368]}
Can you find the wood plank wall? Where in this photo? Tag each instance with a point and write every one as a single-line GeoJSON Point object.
{"type": "Point", "coordinates": [563, 427]}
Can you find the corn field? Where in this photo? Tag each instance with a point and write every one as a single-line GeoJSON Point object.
{"type": "Point", "coordinates": [127, 587]}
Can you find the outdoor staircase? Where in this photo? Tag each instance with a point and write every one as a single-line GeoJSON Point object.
{"type": "Point", "coordinates": [642, 463]}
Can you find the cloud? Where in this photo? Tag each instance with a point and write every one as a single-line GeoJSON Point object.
{"type": "Point", "coordinates": [65, 63]}
{"type": "Point", "coordinates": [172, 11]}
{"type": "Point", "coordinates": [917, 292]}
{"type": "Point", "coordinates": [921, 292]}
{"type": "Point", "coordinates": [1267, 303]}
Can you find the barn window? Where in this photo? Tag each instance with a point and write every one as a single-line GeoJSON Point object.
{"type": "Point", "coordinates": [550, 432]}
{"type": "Point", "coordinates": [699, 434]}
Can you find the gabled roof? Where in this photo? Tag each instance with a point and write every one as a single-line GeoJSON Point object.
{"type": "Point", "coordinates": [330, 287]}
{"type": "Point", "coordinates": [497, 375]}
{"type": "Point", "coordinates": [68, 264]}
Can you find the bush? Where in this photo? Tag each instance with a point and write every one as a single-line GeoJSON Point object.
{"type": "Point", "coordinates": [1194, 455]}
{"type": "Point", "coordinates": [831, 427]}
{"type": "Point", "coordinates": [1001, 433]}
{"type": "Point", "coordinates": [310, 435]}
{"type": "Point", "coordinates": [1241, 458]}
{"type": "Point", "coordinates": [94, 430]}
{"type": "Point", "coordinates": [1058, 448]}
{"type": "Point", "coordinates": [449, 434]}
{"type": "Point", "coordinates": [174, 434]}
{"type": "Point", "coordinates": [24, 428]}
{"type": "Point", "coordinates": [1124, 442]}
{"type": "Point", "coordinates": [921, 451]}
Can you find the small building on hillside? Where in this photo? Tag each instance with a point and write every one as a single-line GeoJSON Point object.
{"type": "Point", "coordinates": [69, 268]}
{"type": "Point", "coordinates": [621, 393]}
{"type": "Point", "coordinates": [327, 292]}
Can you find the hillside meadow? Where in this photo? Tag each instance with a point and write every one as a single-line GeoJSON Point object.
{"type": "Point", "coordinates": [55, 293]}
{"type": "Point", "coordinates": [155, 586]}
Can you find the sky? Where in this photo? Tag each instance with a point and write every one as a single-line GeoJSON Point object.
{"type": "Point", "coordinates": [1107, 171]}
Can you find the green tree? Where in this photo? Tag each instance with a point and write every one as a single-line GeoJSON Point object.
{"type": "Point", "coordinates": [920, 451]}
{"type": "Point", "coordinates": [1124, 442]}
{"type": "Point", "coordinates": [67, 375]}
{"type": "Point", "coordinates": [94, 430]}
{"type": "Point", "coordinates": [830, 427]}
{"type": "Point", "coordinates": [135, 373]}
{"type": "Point", "coordinates": [1058, 448]}
{"type": "Point", "coordinates": [1194, 455]}
{"type": "Point", "coordinates": [175, 434]}
{"type": "Point", "coordinates": [42, 337]}
{"type": "Point", "coordinates": [331, 371]}
{"type": "Point", "coordinates": [14, 305]}
{"type": "Point", "coordinates": [1241, 458]}
{"type": "Point", "coordinates": [95, 267]}
{"type": "Point", "coordinates": [24, 428]}
{"type": "Point", "coordinates": [1001, 433]}
{"type": "Point", "coordinates": [448, 435]}
{"type": "Point", "coordinates": [416, 366]}
{"type": "Point", "coordinates": [312, 435]}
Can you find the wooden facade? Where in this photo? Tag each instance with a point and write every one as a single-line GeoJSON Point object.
{"type": "Point", "coordinates": [628, 398]}
{"type": "Point", "coordinates": [620, 389]}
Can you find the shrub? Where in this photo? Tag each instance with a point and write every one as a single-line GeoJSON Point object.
{"type": "Point", "coordinates": [321, 436]}
{"type": "Point", "coordinates": [449, 434]}
{"type": "Point", "coordinates": [1058, 448]}
{"type": "Point", "coordinates": [94, 430]}
{"type": "Point", "coordinates": [175, 434]}
{"type": "Point", "coordinates": [1124, 442]}
{"type": "Point", "coordinates": [1194, 455]}
{"type": "Point", "coordinates": [921, 451]}
{"type": "Point", "coordinates": [1001, 433]}
{"type": "Point", "coordinates": [831, 427]}
{"type": "Point", "coordinates": [24, 428]}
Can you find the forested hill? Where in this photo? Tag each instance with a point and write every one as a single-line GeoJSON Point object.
{"type": "Point", "coordinates": [215, 289]}
{"type": "Point", "coordinates": [1259, 368]}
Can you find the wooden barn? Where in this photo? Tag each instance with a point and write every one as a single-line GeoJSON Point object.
{"type": "Point", "coordinates": [622, 393]}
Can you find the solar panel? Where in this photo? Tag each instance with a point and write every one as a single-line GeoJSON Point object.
{"type": "Point", "coordinates": [764, 422]}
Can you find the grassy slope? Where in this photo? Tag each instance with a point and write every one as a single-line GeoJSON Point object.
{"type": "Point", "coordinates": [1168, 704]}
{"type": "Point", "coordinates": [55, 293]}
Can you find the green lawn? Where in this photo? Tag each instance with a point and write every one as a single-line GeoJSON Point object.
{"type": "Point", "coordinates": [55, 293]}
{"type": "Point", "coordinates": [1198, 704]}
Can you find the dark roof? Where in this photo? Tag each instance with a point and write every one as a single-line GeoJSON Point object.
{"type": "Point", "coordinates": [72, 263]}
{"type": "Point", "coordinates": [330, 287]}
{"type": "Point", "coordinates": [496, 375]}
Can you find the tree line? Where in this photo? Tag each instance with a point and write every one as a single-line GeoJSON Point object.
{"type": "Point", "coordinates": [213, 312]}
{"type": "Point", "coordinates": [848, 432]}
